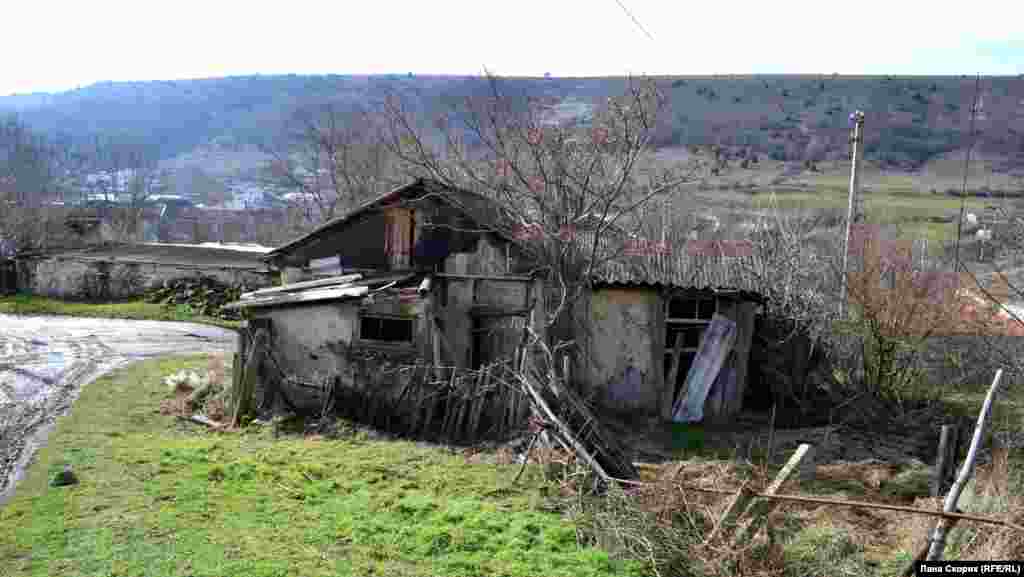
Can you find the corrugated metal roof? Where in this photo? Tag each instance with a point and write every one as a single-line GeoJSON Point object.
{"type": "Point", "coordinates": [681, 271]}
{"type": "Point", "coordinates": [339, 288]}
{"type": "Point", "coordinates": [303, 297]}
{"type": "Point", "coordinates": [677, 263]}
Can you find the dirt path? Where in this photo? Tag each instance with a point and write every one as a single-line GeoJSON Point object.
{"type": "Point", "coordinates": [44, 362]}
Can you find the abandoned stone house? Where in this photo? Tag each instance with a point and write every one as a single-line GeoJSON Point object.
{"type": "Point", "coordinates": [436, 274]}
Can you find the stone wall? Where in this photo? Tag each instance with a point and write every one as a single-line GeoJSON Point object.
{"type": "Point", "coordinates": [75, 278]}
{"type": "Point", "coordinates": [622, 367]}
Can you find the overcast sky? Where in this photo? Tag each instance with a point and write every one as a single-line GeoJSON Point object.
{"type": "Point", "coordinates": [52, 46]}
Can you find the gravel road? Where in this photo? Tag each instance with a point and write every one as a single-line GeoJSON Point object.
{"type": "Point", "coordinates": [44, 362]}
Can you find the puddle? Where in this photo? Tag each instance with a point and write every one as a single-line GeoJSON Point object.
{"type": "Point", "coordinates": [55, 360]}
{"type": "Point", "coordinates": [32, 381]}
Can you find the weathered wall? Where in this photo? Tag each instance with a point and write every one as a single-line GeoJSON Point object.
{"type": "Point", "coordinates": [626, 348]}
{"type": "Point", "coordinates": [84, 278]}
{"type": "Point", "coordinates": [623, 374]}
{"type": "Point", "coordinates": [302, 341]}
{"type": "Point", "coordinates": [489, 257]}
{"type": "Point", "coordinates": [456, 299]}
{"type": "Point", "coordinates": [311, 342]}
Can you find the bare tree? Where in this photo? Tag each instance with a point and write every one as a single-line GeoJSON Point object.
{"type": "Point", "coordinates": [122, 174]}
{"type": "Point", "coordinates": [29, 175]}
{"type": "Point", "coordinates": [577, 190]}
{"type": "Point", "coordinates": [331, 157]}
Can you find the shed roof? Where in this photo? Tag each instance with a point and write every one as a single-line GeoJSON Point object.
{"type": "Point", "coordinates": [481, 209]}
{"type": "Point", "coordinates": [681, 268]}
{"type": "Point", "coordinates": [678, 263]}
{"type": "Point", "coordinates": [222, 256]}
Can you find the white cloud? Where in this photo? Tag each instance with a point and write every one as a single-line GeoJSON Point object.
{"type": "Point", "coordinates": [82, 42]}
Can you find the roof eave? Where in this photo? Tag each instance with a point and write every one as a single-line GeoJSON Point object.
{"type": "Point", "coordinates": [292, 244]}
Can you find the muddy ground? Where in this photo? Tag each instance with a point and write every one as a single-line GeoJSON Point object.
{"type": "Point", "coordinates": [44, 362]}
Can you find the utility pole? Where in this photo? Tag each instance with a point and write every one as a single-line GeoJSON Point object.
{"type": "Point", "coordinates": [853, 211]}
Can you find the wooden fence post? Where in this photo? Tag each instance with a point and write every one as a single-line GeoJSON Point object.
{"type": "Point", "coordinates": [942, 460]}
{"type": "Point", "coordinates": [760, 510]}
{"type": "Point", "coordinates": [938, 537]}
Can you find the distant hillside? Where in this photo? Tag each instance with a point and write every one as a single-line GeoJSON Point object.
{"type": "Point", "coordinates": [790, 118]}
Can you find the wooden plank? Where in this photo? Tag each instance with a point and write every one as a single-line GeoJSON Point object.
{"type": "Point", "coordinates": [451, 409]}
{"type": "Point", "coordinates": [417, 409]}
{"type": "Point", "coordinates": [243, 402]}
{"type": "Point", "coordinates": [344, 279]}
{"type": "Point", "coordinates": [565, 432]}
{"type": "Point", "coordinates": [236, 375]}
{"type": "Point", "coordinates": [503, 400]}
{"type": "Point", "coordinates": [715, 346]}
{"type": "Point", "coordinates": [538, 315]}
{"type": "Point", "coordinates": [432, 402]}
{"type": "Point", "coordinates": [744, 336]}
{"type": "Point", "coordinates": [510, 278]}
{"type": "Point", "coordinates": [760, 509]}
{"type": "Point", "coordinates": [478, 404]}
{"type": "Point", "coordinates": [673, 374]}
{"type": "Point", "coordinates": [464, 398]}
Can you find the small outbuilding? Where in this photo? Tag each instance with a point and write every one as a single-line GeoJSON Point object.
{"type": "Point", "coordinates": [434, 275]}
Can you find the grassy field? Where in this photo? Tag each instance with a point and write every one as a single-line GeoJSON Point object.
{"type": "Point", "coordinates": [160, 497]}
{"type": "Point", "coordinates": [137, 309]}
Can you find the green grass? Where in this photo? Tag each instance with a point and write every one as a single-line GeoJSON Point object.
{"type": "Point", "coordinates": [161, 497]}
{"type": "Point", "coordinates": [824, 551]}
{"type": "Point", "coordinates": [136, 309]}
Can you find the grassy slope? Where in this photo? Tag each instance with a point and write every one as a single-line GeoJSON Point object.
{"type": "Point", "coordinates": [158, 497]}
{"type": "Point", "coordinates": [34, 305]}
{"type": "Point", "coordinates": [889, 198]}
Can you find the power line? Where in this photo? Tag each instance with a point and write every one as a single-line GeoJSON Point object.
{"type": "Point", "coordinates": [635, 21]}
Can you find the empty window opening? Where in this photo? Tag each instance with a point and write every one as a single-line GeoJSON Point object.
{"type": "Point", "coordinates": [686, 318]}
{"type": "Point", "coordinates": [387, 329]}
{"type": "Point", "coordinates": [691, 308]}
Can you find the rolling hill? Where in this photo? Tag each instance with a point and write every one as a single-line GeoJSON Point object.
{"type": "Point", "coordinates": [910, 120]}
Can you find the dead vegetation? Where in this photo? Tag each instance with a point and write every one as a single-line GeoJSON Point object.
{"type": "Point", "coordinates": [206, 393]}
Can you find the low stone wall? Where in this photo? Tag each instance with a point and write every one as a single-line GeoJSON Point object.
{"type": "Point", "coordinates": [72, 278]}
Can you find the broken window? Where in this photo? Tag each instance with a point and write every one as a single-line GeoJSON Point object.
{"type": "Point", "coordinates": [686, 318]}
{"type": "Point", "coordinates": [386, 329]}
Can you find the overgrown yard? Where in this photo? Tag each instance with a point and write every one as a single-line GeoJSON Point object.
{"type": "Point", "coordinates": [135, 309]}
{"type": "Point", "coordinates": [158, 496]}
{"type": "Point", "coordinates": [161, 496]}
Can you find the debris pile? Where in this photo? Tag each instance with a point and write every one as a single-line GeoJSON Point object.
{"type": "Point", "coordinates": [197, 392]}
{"type": "Point", "coordinates": [562, 419]}
{"type": "Point", "coordinates": [204, 295]}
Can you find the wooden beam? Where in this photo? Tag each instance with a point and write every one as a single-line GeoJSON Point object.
{"type": "Point", "coordinates": [670, 379]}
{"type": "Point", "coordinates": [539, 313]}
{"type": "Point", "coordinates": [510, 278]}
{"type": "Point", "coordinates": [303, 285]}
{"type": "Point", "coordinates": [565, 432]}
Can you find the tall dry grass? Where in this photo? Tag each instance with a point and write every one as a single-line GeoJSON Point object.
{"type": "Point", "coordinates": [997, 491]}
